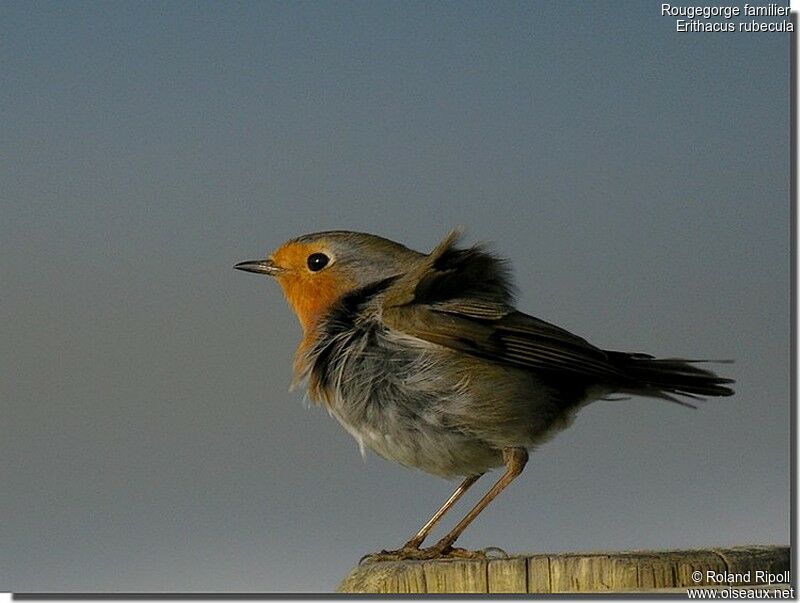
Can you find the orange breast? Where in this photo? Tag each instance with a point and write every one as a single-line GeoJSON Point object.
{"type": "Point", "coordinates": [310, 294]}
{"type": "Point", "coordinates": [310, 297]}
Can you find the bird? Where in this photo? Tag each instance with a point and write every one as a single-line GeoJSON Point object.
{"type": "Point", "coordinates": [425, 360]}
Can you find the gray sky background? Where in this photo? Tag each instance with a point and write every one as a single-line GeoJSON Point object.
{"type": "Point", "coordinates": [636, 177]}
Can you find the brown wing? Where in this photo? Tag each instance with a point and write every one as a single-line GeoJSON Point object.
{"type": "Point", "coordinates": [515, 339]}
{"type": "Point", "coordinates": [462, 299]}
{"type": "Point", "coordinates": [539, 344]}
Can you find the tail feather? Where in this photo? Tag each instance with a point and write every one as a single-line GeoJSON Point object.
{"type": "Point", "coordinates": [669, 377]}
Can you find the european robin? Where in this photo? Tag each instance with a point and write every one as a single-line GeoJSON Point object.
{"type": "Point", "coordinates": [423, 359]}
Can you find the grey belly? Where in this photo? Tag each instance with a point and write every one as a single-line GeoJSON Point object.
{"type": "Point", "coordinates": [442, 412]}
{"type": "Point", "coordinates": [456, 431]}
{"type": "Point", "coordinates": [422, 443]}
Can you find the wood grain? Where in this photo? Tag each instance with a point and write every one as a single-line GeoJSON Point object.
{"type": "Point", "coordinates": [625, 571]}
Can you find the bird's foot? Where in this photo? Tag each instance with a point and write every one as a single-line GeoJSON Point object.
{"type": "Point", "coordinates": [417, 554]}
{"type": "Point", "coordinates": [404, 554]}
{"type": "Point", "coordinates": [459, 553]}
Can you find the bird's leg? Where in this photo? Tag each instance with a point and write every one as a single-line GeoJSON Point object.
{"type": "Point", "coordinates": [425, 530]}
{"type": "Point", "coordinates": [515, 459]}
{"type": "Point", "coordinates": [411, 548]}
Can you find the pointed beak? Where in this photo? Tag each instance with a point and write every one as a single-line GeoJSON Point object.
{"type": "Point", "coordinates": [267, 267]}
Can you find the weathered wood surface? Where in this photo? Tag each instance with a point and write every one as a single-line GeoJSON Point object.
{"type": "Point", "coordinates": [626, 571]}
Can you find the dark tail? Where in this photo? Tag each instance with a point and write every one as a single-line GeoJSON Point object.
{"type": "Point", "coordinates": [663, 377]}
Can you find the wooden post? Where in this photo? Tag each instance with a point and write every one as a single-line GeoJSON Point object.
{"type": "Point", "coordinates": [642, 571]}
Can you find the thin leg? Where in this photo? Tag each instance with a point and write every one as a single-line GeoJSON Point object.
{"type": "Point", "coordinates": [425, 530]}
{"type": "Point", "coordinates": [515, 459]}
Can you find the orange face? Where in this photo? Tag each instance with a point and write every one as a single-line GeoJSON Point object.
{"type": "Point", "coordinates": [309, 292]}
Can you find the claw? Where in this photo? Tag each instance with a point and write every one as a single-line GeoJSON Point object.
{"type": "Point", "coordinates": [495, 552]}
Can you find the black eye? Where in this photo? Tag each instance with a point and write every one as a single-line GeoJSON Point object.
{"type": "Point", "coordinates": [317, 261]}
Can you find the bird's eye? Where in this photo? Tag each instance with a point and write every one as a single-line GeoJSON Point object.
{"type": "Point", "coordinates": [317, 261]}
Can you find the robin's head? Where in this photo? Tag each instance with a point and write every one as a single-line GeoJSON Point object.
{"type": "Point", "coordinates": [317, 269]}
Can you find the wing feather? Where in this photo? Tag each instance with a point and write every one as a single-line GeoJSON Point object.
{"type": "Point", "coordinates": [462, 299]}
